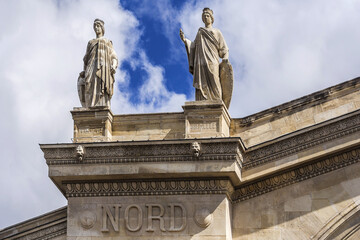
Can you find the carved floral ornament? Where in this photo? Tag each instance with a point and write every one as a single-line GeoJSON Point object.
{"type": "Point", "coordinates": [203, 217]}
{"type": "Point", "coordinates": [87, 219]}
{"type": "Point", "coordinates": [138, 188]}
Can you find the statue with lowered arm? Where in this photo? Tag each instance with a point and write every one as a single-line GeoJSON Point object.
{"type": "Point", "coordinates": [96, 82]}
{"type": "Point", "coordinates": [212, 80]}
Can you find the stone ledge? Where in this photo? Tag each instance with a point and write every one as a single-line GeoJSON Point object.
{"type": "Point", "coordinates": [296, 174]}
{"type": "Point", "coordinates": [302, 140]}
{"type": "Point", "coordinates": [112, 161]}
{"type": "Point", "coordinates": [46, 226]}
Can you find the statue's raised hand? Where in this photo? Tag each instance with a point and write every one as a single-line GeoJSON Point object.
{"type": "Point", "coordinates": [182, 35]}
{"type": "Point", "coordinates": [82, 74]}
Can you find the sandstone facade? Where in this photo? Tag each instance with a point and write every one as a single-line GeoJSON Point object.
{"type": "Point", "coordinates": [289, 172]}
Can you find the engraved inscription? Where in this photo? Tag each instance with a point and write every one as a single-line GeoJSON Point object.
{"type": "Point", "coordinates": [203, 126]}
{"type": "Point", "coordinates": [137, 208]}
{"type": "Point", "coordinates": [174, 228]}
{"type": "Point", "coordinates": [151, 217]}
{"type": "Point", "coordinates": [91, 130]}
{"type": "Point", "coordinates": [170, 218]}
{"type": "Point", "coordinates": [106, 214]}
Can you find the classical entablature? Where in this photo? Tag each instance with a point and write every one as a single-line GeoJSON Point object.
{"type": "Point", "coordinates": [289, 172]}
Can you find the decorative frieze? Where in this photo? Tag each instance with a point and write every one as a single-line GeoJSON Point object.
{"type": "Point", "coordinates": [295, 175]}
{"type": "Point", "coordinates": [120, 153]}
{"type": "Point", "coordinates": [140, 188]}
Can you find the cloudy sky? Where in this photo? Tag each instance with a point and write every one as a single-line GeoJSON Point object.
{"type": "Point", "coordinates": [280, 50]}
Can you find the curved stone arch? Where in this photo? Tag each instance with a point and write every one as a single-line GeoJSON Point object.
{"type": "Point", "coordinates": [345, 225]}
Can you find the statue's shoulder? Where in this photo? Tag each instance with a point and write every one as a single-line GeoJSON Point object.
{"type": "Point", "coordinates": [215, 30]}
{"type": "Point", "coordinates": [92, 41]}
{"type": "Point", "coordinates": [106, 41]}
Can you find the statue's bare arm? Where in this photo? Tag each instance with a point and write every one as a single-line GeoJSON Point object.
{"type": "Point", "coordinates": [182, 36]}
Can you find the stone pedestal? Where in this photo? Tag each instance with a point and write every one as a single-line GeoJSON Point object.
{"type": "Point", "coordinates": [206, 119]}
{"type": "Point", "coordinates": [92, 125]}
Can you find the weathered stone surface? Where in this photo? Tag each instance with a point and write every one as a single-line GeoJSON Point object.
{"type": "Point", "coordinates": [52, 225]}
{"type": "Point", "coordinates": [294, 175]}
{"type": "Point", "coordinates": [166, 217]}
{"type": "Point", "coordinates": [298, 211]}
{"type": "Point", "coordinates": [96, 82]}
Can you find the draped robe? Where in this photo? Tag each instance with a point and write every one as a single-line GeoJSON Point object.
{"type": "Point", "coordinates": [203, 57]}
{"type": "Point", "coordinates": [99, 80]}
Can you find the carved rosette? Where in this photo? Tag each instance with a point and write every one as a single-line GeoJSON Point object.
{"type": "Point", "coordinates": [203, 217]}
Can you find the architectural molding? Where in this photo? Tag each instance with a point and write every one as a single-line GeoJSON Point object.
{"type": "Point", "coordinates": [46, 233]}
{"type": "Point", "coordinates": [47, 226]}
{"type": "Point", "coordinates": [335, 222]}
{"type": "Point", "coordinates": [144, 152]}
{"type": "Point", "coordinates": [146, 188]}
{"type": "Point", "coordinates": [305, 139]}
{"type": "Point", "coordinates": [297, 174]}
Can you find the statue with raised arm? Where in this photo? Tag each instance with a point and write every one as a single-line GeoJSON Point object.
{"type": "Point", "coordinates": [96, 82]}
{"type": "Point", "coordinates": [212, 80]}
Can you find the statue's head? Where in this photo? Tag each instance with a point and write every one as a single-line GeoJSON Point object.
{"type": "Point", "coordinates": [99, 26]}
{"type": "Point", "coordinates": [207, 12]}
{"type": "Point", "coordinates": [195, 148]}
{"type": "Point", "coordinates": [80, 152]}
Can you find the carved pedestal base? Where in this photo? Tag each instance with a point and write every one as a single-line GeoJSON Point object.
{"type": "Point", "coordinates": [92, 125]}
{"type": "Point", "coordinates": [206, 119]}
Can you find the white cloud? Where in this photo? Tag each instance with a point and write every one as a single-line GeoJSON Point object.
{"type": "Point", "coordinates": [154, 96]}
{"type": "Point", "coordinates": [281, 50]}
{"type": "Point", "coordinates": [41, 47]}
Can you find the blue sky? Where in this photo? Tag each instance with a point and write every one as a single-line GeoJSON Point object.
{"type": "Point", "coordinates": [280, 50]}
{"type": "Point", "coordinates": [160, 48]}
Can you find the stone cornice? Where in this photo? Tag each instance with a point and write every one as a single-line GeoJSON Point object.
{"type": "Point", "coordinates": [47, 226]}
{"type": "Point", "coordinates": [213, 186]}
{"type": "Point", "coordinates": [302, 140]}
{"type": "Point", "coordinates": [47, 233]}
{"type": "Point", "coordinates": [155, 151]}
{"type": "Point", "coordinates": [296, 174]}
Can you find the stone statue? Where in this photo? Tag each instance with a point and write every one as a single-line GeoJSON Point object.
{"type": "Point", "coordinates": [96, 82]}
{"type": "Point", "coordinates": [212, 80]}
